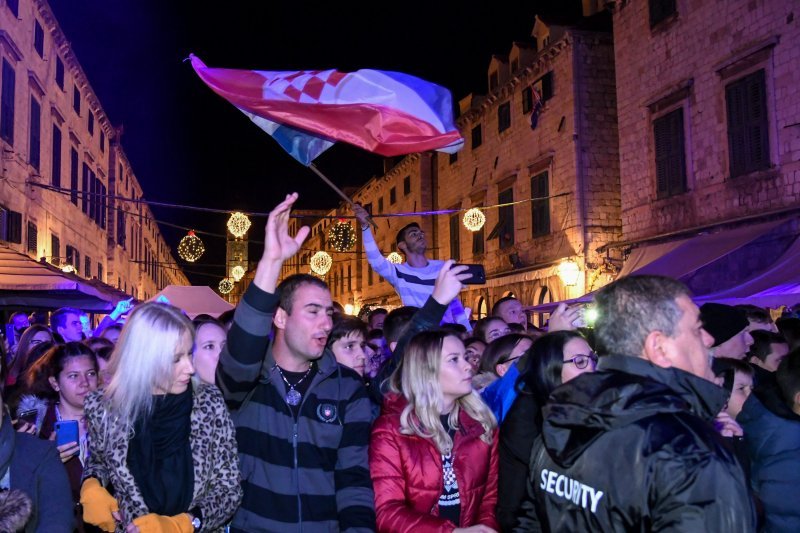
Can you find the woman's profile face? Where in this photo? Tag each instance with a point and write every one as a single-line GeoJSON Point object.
{"type": "Point", "coordinates": [40, 337]}
{"type": "Point", "coordinates": [455, 372]}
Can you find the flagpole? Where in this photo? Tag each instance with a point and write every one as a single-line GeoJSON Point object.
{"type": "Point", "coordinates": [336, 189]}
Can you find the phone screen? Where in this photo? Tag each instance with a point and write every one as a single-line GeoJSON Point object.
{"type": "Point", "coordinates": [66, 431]}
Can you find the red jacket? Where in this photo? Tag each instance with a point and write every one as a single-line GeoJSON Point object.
{"type": "Point", "coordinates": [407, 475]}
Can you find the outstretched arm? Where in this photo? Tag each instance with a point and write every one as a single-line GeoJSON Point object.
{"type": "Point", "coordinates": [376, 260]}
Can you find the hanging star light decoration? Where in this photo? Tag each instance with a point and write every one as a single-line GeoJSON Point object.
{"type": "Point", "coordinates": [238, 224]}
{"type": "Point", "coordinates": [321, 263]}
{"type": "Point", "coordinates": [237, 272]}
{"type": "Point", "coordinates": [191, 247]}
{"type": "Point", "coordinates": [342, 236]}
{"type": "Point", "coordinates": [225, 286]}
{"type": "Point", "coordinates": [395, 258]}
{"type": "Point", "coordinates": [474, 219]}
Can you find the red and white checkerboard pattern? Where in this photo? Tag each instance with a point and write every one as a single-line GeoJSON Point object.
{"type": "Point", "coordinates": [306, 86]}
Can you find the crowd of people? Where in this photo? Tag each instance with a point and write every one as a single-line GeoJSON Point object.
{"type": "Point", "coordinates": [289, 415]}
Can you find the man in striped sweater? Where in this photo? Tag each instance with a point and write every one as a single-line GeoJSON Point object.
{"type": "Point", "coordinates": [414, 279]}
{"type": "Point", "coordinates": [302, 420]}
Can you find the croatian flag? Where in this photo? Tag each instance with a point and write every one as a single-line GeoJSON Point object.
{"type": "Point", "coordinates": [306, 112]}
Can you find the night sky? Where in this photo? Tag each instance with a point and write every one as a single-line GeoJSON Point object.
{"type": "Point", "coordinates": [189, 146]}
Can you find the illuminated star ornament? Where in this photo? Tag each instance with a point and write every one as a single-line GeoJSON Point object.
{"type": "Point", "coordinates": [225, 286]}
{"type": "Point", "coordinates": [237, 272]}
{"type": "Point", "coordinates": [474, 219]}
{"type": "Point", "coordinates": [395, 258]}
{"type": "Point", "coordinates": [191, 247]}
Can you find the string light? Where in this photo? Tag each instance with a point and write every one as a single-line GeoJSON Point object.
{"type": "Point", "coordinates": [395, 258]}
{"type": "Point", "coordinates": [238, 224]}
{"type": "Point", "coordinates": [474, 219]}
{"type": "Point", "coordinates": [68, 268]}
{"type": "Point", "coordinates": [225, 286]}
{"type": "Point", "coordinates": [342, 236]}
{"type": "Point", "coordinates": [191, 247]}
{"type": "Point", "coordinates": [237, 272]}
{"type": "Point", "coordinates": [321, 263]}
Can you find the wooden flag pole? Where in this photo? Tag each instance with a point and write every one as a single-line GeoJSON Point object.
{"type": "Point", "coordinates": [336, 189]}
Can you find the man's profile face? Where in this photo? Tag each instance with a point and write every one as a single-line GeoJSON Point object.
{"type": "Point", "coordinates": [73, 329]}
{"type": "Point", "coordinates": [414, 240]}
{"type": "Point", "coordinates": [308, 324]}
{"type": "Point", "coordinates": [688, 348]}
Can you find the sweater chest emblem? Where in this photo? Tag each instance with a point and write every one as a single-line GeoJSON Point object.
{"type": "Point", "coordinates": [326, 412]}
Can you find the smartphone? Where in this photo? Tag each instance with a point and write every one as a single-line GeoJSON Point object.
{"type": "Point", "coordinates": [10, 337]}
{"type": "Point", "coordinates": [66, 431]}
{"type": "Point", "coordinates": [28, 417]}
{"type": "Point", "coordinates": [477, 271]}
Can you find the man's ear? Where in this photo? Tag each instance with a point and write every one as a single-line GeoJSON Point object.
{"type": "Point", "coordinates": [402, 247]}
{"type": "Point", "coordinates": [279, 319]}
{"type": "Point", "coordinates": [796, 401]}
{"type": "Point", "coordinates": [656, 350]}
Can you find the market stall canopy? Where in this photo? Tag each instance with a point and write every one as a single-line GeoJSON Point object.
{"type": "Point", "coordinates": [26, 283]}
{"type": "Point", "coordinates": [193, 300]}
{"type": "Point", "coordinates": [774, 285]}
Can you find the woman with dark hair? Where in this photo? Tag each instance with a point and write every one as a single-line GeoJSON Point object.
{"type": "Point", "coordinates": [33, 336]}
{"type": "Point", "coordinates": [490, 328]}
{"type": "Point", "coordinates": [56, 387]}
{"type": "Point", "coordinates": [210, 338]}
{"type": "Point", "coordinates": [553, 359]}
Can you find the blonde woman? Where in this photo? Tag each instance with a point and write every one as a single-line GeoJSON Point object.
{"type": "Point", "coordinates": [166, 446]}
{"type": "Point", "coordinates": [433, 453]}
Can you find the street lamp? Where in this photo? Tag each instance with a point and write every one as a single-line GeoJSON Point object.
{"type": "Point", "coordinates": [569, 271]}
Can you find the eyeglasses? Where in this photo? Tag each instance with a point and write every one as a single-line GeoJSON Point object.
{"type": "Point", "coordinates": [581, 361]}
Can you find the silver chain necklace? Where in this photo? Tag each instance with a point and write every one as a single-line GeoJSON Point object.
{"type": "Point", "coordinates": [293, 397]}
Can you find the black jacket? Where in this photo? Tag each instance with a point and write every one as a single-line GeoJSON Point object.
{"type": "Point", "coordinates": [632, 448]}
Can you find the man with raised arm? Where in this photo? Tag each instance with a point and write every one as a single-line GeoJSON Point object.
{"type": "Point", "coordinates": [414, 279]}
{"type": "Point", "coordinates": [302, 420]}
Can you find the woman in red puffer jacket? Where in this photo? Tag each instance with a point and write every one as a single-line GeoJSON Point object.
{"type": "Point", "coordinates": [433, 451]}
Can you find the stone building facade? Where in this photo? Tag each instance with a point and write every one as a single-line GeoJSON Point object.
{"type": "Point", "coordinates": [709, 112]}
{"type": "Point", "coordinates": [62, 164]}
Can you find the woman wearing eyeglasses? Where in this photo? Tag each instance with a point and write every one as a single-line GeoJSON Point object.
{"type": "Point", "coordinates": [552, 360]}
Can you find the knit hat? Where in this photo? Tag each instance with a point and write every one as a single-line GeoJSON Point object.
{"type": "Point", "coordinates": [722, 321]}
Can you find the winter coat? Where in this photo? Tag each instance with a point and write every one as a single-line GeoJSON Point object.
{"type": "Point", "coordinates": [309, 473]}
{"type": "Point", "coordinates": [34, 468]}
{"type": "Point", "coordinates": [632, 447]}
{"type": "Point", "coordinates": [523, 423]}
{"type": "Point", "coordinates": [772, 438]}
{"type": "Point", "coordinates": [501, 393]}
{"type": "Point", "coordinates": [217, 491]}
{"type": "Point", "coordinates": [407, 474]}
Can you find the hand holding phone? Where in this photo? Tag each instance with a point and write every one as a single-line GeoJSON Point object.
{"type": "Point", "coordinates": [66, 432]}
{"type": "Point", "coordinates": [476, 271]}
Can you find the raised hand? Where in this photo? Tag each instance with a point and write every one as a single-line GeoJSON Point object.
{"type": "Point", "coordinates": [278, 244]}
{"type": "Point", "coordinates": [563, 318]}
{"type": "Point", "coordinates": [361, 215]}
{"type": "Point", "coordinates": [448, 282]}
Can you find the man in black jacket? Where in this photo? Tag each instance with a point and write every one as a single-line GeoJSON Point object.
{"type": "Point", "coordinates": [632, 447]}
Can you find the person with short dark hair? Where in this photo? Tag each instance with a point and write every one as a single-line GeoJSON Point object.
{"type": "Point", "coordinates": [376, 317]}
{"type": "Point", "coordinates": [771, 422]}
{"type": "Point", "coordinates": [789, 327]}
{"type": "Point", "coordinates": [758, 317]}
{"type": "Point", "coordinates": [346, 340]}
{"type": "Point", "coordinates": [412, 279]}
{"type": "Point", "coordinates": [511, 311]}
{"type": "Point", "coordinates": [66, 324]}
{"type": "Point", "coordinates": [303, 419]}
{"type": "Point", "coordinates": [632, 446]}
{"type": "Point", "coordinates": [766, 353]}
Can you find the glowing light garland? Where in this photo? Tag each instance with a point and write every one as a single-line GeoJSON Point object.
{"type": "Point", "coordinates": [321, 263]}
{"type": "Point", "coordinates": [395, 258]}
{"type": "Point", "coordinates": [225, 286]}
{"type": "Point", "coordinates": [191, 248]}
{"type": "Point", "coordinates": [237, 272]}
{"type": "Point", "coordinates": [238, 224]}
{"type": "Point", "coordinates": [342, 236]}
{"type": "Point", "coordinates": [474, 219]}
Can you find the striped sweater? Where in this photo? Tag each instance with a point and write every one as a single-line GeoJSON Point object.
{"type": "Point", "coordinates": [413, 284]}
{"type": "Point", "coordinates": [309, 474]}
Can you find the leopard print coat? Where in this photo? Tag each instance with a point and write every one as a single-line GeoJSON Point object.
{"type": "Point", "coordinates": [217, 489]}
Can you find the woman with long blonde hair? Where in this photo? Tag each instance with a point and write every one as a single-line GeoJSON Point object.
{"type": "Point", "coordinates": [166, 446]}
{"type": "Point", "coordinates": [433, 451]}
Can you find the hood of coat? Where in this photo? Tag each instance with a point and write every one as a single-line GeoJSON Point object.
{"type": "Point", "coordinates": [623, 391]}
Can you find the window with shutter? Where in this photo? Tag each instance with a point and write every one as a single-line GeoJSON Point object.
{"type": "Point", "coordinates": [748, 126]}
{"type": "Point", "coordinates": [55, 250]}
{"type": "Point", "coordinates": [55, 176]}
{"type": "Point", "coordinates": [35, 134]}
{"type": "Point", "coordinates": [527, 99]}
{"type": "Point", "coordinates": [477, 136]}
{"type": "Point", "coordinates": [73, 176]}
{"type": "Point", "coordinates": [660, 10]}
{"type": "Point", "coordinates": [478, 239]}
{"type": "Point", "coordinates": [504, 117]}
{"type": "Point", "coordinates": [670, 154]}
{"type": "Point", "coordinates": [455, 241]}
{"type": "Point", "coordinates": [540, 209]}
{"type": "Point", "coordinates": [38, 38]}
{"type": "Point", "coordinates": [87, 267]}
{"type": "Point", "coordinates": [33, 238]}
{"type": "Point", "coordinates": [506, 234]}
{"type": "Point", "coordinates": [7, 95]}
